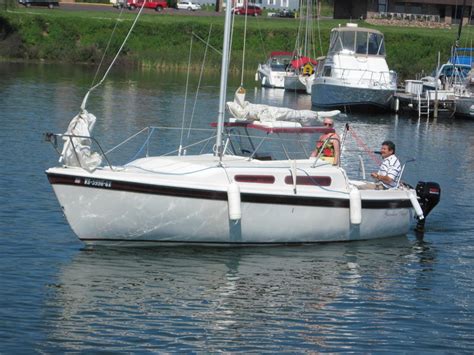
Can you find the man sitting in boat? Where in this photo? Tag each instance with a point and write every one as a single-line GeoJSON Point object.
{"type": "Point", "coordinates": [328, 144]}
{"type": "Point", "coordinates": [390, 168]}
{"type": "Point", "coordinates": [389, 172]}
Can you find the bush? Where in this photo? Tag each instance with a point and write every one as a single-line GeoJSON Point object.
{"type": "Point", "coordinates": [163, 41]}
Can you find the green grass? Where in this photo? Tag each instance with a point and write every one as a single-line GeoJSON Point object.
{"type": "Point", "coordinates": [162, 41]}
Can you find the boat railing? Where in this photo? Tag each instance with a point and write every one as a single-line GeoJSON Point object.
{"type": "Point", "coordinates": [399, 180]}
{"type": "Point", "coordinates": [152, 137]}
{"type": "Point", "coordinates": [53, 139]}
{"type": "Point", "coordinates": [266, 145]}
{"type": "Point", "coordinates": [361, 167]}
{"type": "Point", "coordinates": [366, 76]}
{"type": "Point", "coordinates": [328, 140]}
{"type": "Point", "coordinates": [143, 148]}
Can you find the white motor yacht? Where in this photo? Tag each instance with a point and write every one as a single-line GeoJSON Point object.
{"type": "Point", "coordinates": [355, 72]}
{"type": "Point", "coordinates": [272, 74]}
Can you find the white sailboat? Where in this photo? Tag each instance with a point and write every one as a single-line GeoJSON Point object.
{"type": "Point", "coordinates": [303, 65]}
{"type": "Point", "coordinates": [230, 196]}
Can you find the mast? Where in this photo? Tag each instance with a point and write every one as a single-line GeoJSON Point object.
{"type": "Point", "coordinates": [223, 82]}
{"type": "Point", "coordinates": [460, 23]}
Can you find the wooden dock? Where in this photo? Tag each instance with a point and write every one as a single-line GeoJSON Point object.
{"type": "Point", "coordinates": [423, 105]}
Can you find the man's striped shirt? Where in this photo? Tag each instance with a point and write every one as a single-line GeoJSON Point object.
{"type": "Point", "coordinates": [390, 167]}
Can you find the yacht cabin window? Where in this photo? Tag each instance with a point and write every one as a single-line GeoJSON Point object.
{"type": "Point", "coordinates": [327, 70]}
{"type": "Point", "coordinates": [361, 43]}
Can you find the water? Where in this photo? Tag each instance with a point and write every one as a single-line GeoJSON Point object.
{"type": "Point", "coordinates": [400, 294]}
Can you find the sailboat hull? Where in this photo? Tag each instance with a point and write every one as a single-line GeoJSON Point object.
{"type": "Point", "coordinates": [103, 211]}
{"type": "Point", "coordinates": [295, 83]}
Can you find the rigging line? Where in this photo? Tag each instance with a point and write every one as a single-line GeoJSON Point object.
{"type": "Point", "coordinates": [84, 101]}
{"type": "Point", "coordinates": [108, 45]}
{"type": "Point", "coordinates": [364, 146]}
{"type": "Point", "coordinates": [126, 140]}
{"type": "Point", "coordinates": [311, 33]}
{"type": "Point", "coordinates": [199, 84]}
{"type": "Point", "coordinates": [261, 39]}
{"type": "Point", "coordinates": [307, 22]}
{"type": "Point", "coordinates": [319, 28]}
{"type": "Point", "coordinates": [243, 49]}
{"type": "Point", "coordinates": [231, 35]}
{"type": "Point", "coordinates": [300, 29]}
{"type": "Point", "coordinates": [185, 96]}
{"type": "Point", "coordinates": [207, 43]}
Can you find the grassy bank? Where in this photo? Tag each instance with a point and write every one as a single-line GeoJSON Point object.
{"type": "Point", "coordinates": [163, 41]}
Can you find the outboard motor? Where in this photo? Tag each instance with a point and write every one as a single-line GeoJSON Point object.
{"type": "Point", "coordinates": [429, 194]}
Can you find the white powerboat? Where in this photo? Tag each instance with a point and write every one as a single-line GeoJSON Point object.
{"type": "Point", "coordinates": [233, 195]}
{"type": "Point", "coordinates": [355, 73]}
{"type": "Point", "coordinates": [272, 74]}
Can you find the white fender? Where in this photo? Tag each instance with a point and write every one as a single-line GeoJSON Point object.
{"type": "Point", "coordinates": [233, 196]}
{"type": "Point", "coordinates": [396, 105]}
{"type": "Point", "coordinates": [256, 76]}
{"type": "Point", "coordinates": [355, 206]}
{"type": "Point", "coordinates": [416, 205]}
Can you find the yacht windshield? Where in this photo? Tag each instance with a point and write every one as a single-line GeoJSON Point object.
{"type": "Point", "coordinates": [360, 42]}
{"type": "Point", "coordinates": [449, 71]}
{"type": "Point", "coordinates": [280, 63]}
{"type": "Point", "coordinates": [376, 44]}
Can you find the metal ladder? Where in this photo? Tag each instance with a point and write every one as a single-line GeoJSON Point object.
{"type": "Point", "coordinates": [423, 105]}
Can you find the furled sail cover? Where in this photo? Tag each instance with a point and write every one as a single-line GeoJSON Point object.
{"type": "Point", "coordinates": [244, 110]}
{"type": "Point", "coordinates": [77, 150]}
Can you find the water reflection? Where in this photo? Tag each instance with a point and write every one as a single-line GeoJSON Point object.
{"type": "Point", "coordinates": [398, 295]}
{"type": "Point", "coordinates": [262, 299]}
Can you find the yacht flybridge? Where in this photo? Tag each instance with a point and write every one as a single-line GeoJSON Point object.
{"type": "Point", "coordinates": [251, 187]}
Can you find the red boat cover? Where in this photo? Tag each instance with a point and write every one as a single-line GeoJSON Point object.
{"type": "Point", "coordinates": [281, 53]}
{"type": "Point", "coordinates": [298, 63]}
{"type": "Point", "coordinates": [260, 127]}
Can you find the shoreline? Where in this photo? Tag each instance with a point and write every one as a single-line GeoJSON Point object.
{"type": "Point", "coordinates": [162, 42]}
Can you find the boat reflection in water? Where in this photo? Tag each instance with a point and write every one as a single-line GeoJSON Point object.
{"type": "Point", "coordinates": [188, 299]}
{"type": "Point", "coordinates": [281, 98]}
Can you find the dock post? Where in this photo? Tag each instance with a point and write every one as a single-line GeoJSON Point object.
{"type": "Point", "coordinates": [435, 113]}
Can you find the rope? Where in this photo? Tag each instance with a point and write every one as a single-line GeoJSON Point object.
{"type": "Point", "coordinates": [243, 50]}
{"type": "Point", "coordinates": [108, 45]}
{"type": "Point", "coordinates": [185, 97]}
{"type": "Point", "coordinates": [199, 83]}
{"type": "Point", "coordinates": [84, 101]}
{"type": "Point", "coordinates": [143, 146]}
{"type": "Point", "coordinates": [207, 43]}
{"type": "Point", "coordinates": [319, 28]}
{"type": "Point", "coordinates": [364, 146]}
{"type": "Point", "coordinates": [261, 39]}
